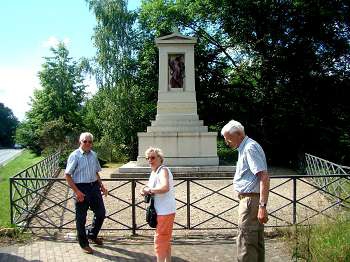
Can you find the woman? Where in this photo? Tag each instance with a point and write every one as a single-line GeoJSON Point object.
{"type": "Point", "coordinates": [161, 186]}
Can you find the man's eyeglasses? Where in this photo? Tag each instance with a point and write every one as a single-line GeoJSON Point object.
{"type": "Point", "coordinates": [150, 158]}
{"type": "Point", "coordinates": [87, 141]}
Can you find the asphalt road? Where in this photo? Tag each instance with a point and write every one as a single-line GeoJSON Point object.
{"type": "Point", "coordinates": [7, 154]}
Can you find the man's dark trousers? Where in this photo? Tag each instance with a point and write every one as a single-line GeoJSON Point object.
{"type": "Point", "coordinates": [93, 200]}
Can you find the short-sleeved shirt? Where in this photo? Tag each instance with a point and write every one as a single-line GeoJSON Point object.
{"type": "Point", "coordinates": [251, 160]}
{"type": "Point", "coordinates": [83, 166]}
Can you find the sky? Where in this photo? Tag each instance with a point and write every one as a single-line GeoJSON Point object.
{"type": "Point", "coordinates": [28, 29]}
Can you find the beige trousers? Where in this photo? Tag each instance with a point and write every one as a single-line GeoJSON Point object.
{"type": "Point", "coordinates": [250, 239]}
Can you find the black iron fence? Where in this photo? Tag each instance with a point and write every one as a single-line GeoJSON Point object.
{"type": "Point", "coordinates": [24, 198]}
{"type": "Point", "coordinates": [203, 203]}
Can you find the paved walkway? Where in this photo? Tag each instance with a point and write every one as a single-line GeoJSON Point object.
{"type": "Point", "coordinates": [135, 250]}
{"type": "Point", "coordinates": [8, 154]}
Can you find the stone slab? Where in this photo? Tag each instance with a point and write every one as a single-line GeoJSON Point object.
{"type": "Point", "coordinates": [131, 169]}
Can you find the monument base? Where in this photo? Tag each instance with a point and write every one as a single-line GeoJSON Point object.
{"type": "Point", "coordinates": [181, 148]}
{"type": "Point", "coordinates": [132, 170]}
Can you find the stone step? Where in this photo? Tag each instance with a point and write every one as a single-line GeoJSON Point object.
{"type": "Point", "coordinates": [177, 129]}
{"type": "Point", "coordinates": [177, 123]}
{"type": "Point", "coordinates": [167, 117]}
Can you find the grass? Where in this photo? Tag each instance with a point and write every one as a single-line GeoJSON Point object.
{"type": "Point", "coordinates": [13, 167]}
{"type": "Point", "coordinates": [327, 241]}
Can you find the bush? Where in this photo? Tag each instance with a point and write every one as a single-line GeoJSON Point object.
{"type": "Point", "coordinates": [227, 156]}
{"type": "Point", "coordinates": [108, 151]}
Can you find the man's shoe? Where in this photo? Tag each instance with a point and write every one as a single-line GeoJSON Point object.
{"type": "Point", "coordinates": [98, 241]}
{"type": "Point", "coordinates": [87, 250]}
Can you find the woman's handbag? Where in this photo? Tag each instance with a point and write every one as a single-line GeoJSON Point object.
{"type": "Point", "coordinates": [151, 214]}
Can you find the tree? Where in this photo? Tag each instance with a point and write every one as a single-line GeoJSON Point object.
{"type": "Point", "coordinates": [282, 69]}
{"type": "Point", "coordinates": [57, 107]}
{"type": "Point", "coordinates": [121, 107]}
{"type": "Point", "coordinates": [8, 126]}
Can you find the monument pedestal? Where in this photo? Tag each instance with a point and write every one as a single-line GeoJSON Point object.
{"type": "Point", "coordinates": [181, 148]}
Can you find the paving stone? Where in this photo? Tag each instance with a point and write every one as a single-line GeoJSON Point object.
{"type": "Point", "coordinates": [135, 250]}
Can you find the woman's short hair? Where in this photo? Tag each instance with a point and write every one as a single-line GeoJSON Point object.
{"type": "Point", "coordinates": [86, 135]}
{"type": "Point", "coordinates": [231, 127]}
{"type": "Point", "coordinates": [157, 151]}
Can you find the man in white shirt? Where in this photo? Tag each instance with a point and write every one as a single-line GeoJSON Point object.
{"type": "Point", "coordinates": [252, 183]}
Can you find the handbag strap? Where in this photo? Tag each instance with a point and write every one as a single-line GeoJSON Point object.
{"type": "Point", "coordinates": [152, 196]}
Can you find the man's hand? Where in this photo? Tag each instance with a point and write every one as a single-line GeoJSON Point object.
{"type": "Point", "coordinates": [104, 190]}
{"type": "Point", "coordinates": [80, 196]}
{"type": "Point", "coordinates": [262, 215]}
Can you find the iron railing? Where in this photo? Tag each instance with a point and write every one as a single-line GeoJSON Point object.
{"type": "Point", "coordinates": [33, 185]}
{"type": "Point", "coordinates": [335, 187]}
{"type": "Point", "coordinates": [42, 201]}
{"type": "Point", "coordinates": [202, 203]}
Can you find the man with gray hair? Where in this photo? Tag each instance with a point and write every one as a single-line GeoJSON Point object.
{"type": "Point", "coordinates": [252, 183]}
{"type": "Point", "coordinates": [82, 175]}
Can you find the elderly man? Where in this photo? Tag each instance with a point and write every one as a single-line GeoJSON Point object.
{"type": "Point", "coordinates": [252, 183]}
{"type": "Point", "coordinates": [82, 175]}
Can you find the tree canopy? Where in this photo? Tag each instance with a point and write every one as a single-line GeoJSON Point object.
{"type": "Point", "coordinates": [279, 67]}
{"type": "Point", "coordinates": [56, 109]}
{"type": "Point", "coordinates": [8, 126]}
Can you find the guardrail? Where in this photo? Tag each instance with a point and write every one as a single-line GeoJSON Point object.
{"type": "Point", "coordinates": [335, 188]}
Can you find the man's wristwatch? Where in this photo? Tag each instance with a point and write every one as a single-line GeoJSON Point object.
{"type": "Point", "coordinates": [262, 204]}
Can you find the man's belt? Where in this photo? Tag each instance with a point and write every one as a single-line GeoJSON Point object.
{"type": "Point", "coordinates": [88, 184]}
{"type": "Point", "coordinates": [243, 195]}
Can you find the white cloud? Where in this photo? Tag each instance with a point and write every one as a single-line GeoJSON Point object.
{"type": "Point", "coordinates": [53, 41]}
{"type": "Point", "coordinates": [16, 87]}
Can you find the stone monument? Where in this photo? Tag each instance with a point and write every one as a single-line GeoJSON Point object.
{"type": "Point", "coordinates": [177, 129]}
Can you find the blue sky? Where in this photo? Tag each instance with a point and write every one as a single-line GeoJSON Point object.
{"type": "Point", "coordinates": [28, 29]}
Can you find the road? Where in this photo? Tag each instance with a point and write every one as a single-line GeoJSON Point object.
{"type": "Point", "coordinates": [7, 154]}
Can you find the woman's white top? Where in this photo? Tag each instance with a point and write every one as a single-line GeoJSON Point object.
{"type": "Point", "coordinates": [164, 203]}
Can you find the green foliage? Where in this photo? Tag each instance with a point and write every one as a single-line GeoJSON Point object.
{"type": "Point", "coordinates": [55, 118]}
{"type": "Point", "coordinates": [13, 167]}
{"type": "Point", "coordinates": [281, 68]}
{"type": "Point", "coordinates": [127, 84]}
{"type": "Point", "coordinates": [8, 126]}
{"type": "Point", "coordinates": [109, 152]}
{"type": "Point", "coordinates": [327, 241]}
{"type": "Point", "coordinates": [226, 155]}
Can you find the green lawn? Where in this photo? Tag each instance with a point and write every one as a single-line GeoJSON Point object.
{"type": "Point", "coordinates": [13, 167]}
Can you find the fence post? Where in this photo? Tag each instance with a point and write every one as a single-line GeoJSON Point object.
{"type": "Point", "coordinates": [188, 202]}
{"type": "Point", "coordinates": [11, 201]}
{"type": "Point", "coordinates": [294, 200]}
{"type": "Point", "coordinates": [133, 206]}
